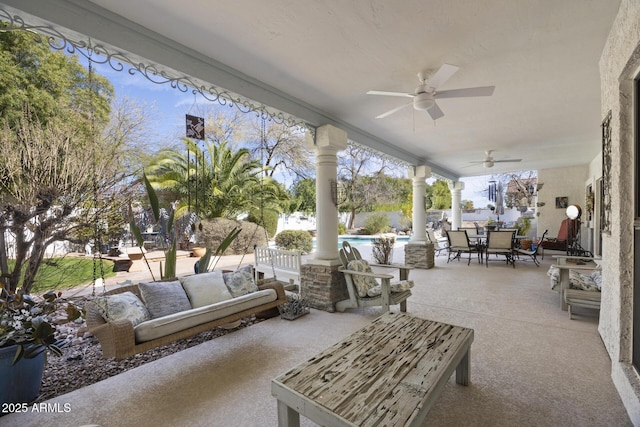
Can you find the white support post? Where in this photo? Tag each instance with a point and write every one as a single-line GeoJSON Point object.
{"type": "Point", "coordinates": [419, 174]}
{"type": "Point", "coordinates": [328, 141]}
{"type": "Point", "coordinates": [456, 204]}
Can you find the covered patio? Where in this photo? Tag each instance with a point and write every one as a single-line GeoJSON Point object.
{"type": "Point", "coordinates": [530, 364]}
{"type": "Point", "coordinates": [560, 69]}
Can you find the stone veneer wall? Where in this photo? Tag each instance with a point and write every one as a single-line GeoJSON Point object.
{"type": "Point", "coordinates": [323, 286]}
{"type": "Point", "coordinates": [619, 65]}
{"type": "Point", "coordinates": [419, 255]}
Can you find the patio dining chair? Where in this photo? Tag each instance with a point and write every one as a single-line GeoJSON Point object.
{"type": "Point", "coordinates": [459, 244]}
{"type": "Point", "coordinates": [500, 243]}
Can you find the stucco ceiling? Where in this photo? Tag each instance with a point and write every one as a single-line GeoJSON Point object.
{"type": "Point", "coordinates": [542, 57]}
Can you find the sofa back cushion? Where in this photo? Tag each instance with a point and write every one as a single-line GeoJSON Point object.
{"type": "Point", "coordinates": [164, 298]}
{"type": "Point", "coordinates": [205, 288]}
{"type": "Point", "coordinates": [125, 305]}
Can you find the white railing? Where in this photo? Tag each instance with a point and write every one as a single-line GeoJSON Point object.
{"type": "Point", "coordinates": [278, 263]}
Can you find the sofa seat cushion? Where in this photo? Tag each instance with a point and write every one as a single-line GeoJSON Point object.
{"type": "Point", "coordinates": [167, 325]}
{"type": "Point", "coordinates": [205, 288]}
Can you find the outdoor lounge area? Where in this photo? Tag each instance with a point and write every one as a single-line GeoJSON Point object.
{"type": "Point", "coordinates": [548, 87]}
{"type": "Point", "coordinates": [530, 364]}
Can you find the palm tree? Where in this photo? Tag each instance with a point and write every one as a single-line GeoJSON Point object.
{"type": "Point", "coordinates": [216, 183]}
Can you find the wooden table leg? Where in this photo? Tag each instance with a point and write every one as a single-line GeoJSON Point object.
{"type": "Point", "coordinates": [287, 417]}
{"type": "Point", "coordinates": [564, 284]}
{"type": "Point", "coordinates": [463, 371]}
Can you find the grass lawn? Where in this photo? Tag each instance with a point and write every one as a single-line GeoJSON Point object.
{"type": "Point", "coordinates": [68, 272]}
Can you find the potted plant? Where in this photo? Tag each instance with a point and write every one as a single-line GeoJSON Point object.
{"type": "Point", "coordinates": [27, 332]}
{"type": "Point", "coordinates": [490, 224]}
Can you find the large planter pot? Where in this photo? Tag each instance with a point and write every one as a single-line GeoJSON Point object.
{"type": "Point", "coordinates": [198, 252]}
{"type": "Point", "coordinates": [19, 383]}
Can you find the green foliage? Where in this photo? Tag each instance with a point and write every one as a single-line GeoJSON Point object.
{"type": "Point", "coordinates": [227, 183]}
{"type": "Point", "coordinates": [54, 85]}
{"type": "Point", "coordinates": [523, 225]}
{"type": "Point", "coordinates": [467, 205]}
{"type": "Point", "coordinates": [295, 240]}
{"type": "Point", "coordinates": [303, 196]}
{"type": "Point", "coordinates": [211, 233]}
{"type": "Point", "coordinates": [441, 195]}
{"type": "Point", "coordinates": [342, 229]}
{"type": "Point", "coordinates": [267, 219]}
{"type": "Point", "coordinates": [205, 264]}
{"type": "Point", "coordinates": [377, 223]}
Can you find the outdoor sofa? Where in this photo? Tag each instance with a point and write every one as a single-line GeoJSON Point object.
{"type": "Point", "coordinates": [136, 318]}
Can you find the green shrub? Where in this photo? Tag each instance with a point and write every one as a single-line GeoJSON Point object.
{"type": "Point", "coordinates": [270, 220]}
{"type": "Point", "coordinates": [342, 229]}
{"type": "Point", "coordinates": [295, 240]}
{"type": "Point", "coordinates": [377, 223]}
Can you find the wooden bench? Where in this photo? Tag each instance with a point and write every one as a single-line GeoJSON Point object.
{"type": "Point", "coordinates": [277, 263]}
{"type": "Point", "coordinates": [581, 298]}
{"type": "Point", "coordinates": [389, 373]}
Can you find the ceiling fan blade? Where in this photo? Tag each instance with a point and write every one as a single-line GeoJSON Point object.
{"type": "Point", "coordinates": [390, 112]}
{"type": "Point", "coordinates": [465, 92]}
{"type": "Point", "coordinates": [379, 92]}
{"type": "Point", "coordinates": [507, 161]}
{"type": "Point", "coordinates": [442, 75]}
{"type": "Point", "coordinates": [435, 112]}
{"type": "Point", "coordinates": [477, 162]}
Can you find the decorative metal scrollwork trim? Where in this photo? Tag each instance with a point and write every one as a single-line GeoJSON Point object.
{"type": "Point", "coordinates": [605, 209]}
{"type": "Point", "coordinates": [102, 54]}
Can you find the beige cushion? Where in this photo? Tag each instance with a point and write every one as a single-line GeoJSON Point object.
{"type": "Point", "coordinates": [240, 282]}
{"type": "Point", "coordinates": [156, 328]}
{"type": "Point", "coordinates": [125, 305]}
{"type": "Point", "coordinates": [362, 283]}
{"type": "Point", "coordinates": [164, 298]}
{"type": "Point", "coordinates": [205, 289]}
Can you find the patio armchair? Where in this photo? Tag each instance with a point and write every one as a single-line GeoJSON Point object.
{"type": "Point", "coordinates": [459, 244]}
{"type": "Point", "coordinates": [500, 243]}
{"type": "Point", "coordinates": [534, 251]}
{"type": "Point", "coordinates": [366, 288]}
{"type": "Point", "coordinates": [439, 244]}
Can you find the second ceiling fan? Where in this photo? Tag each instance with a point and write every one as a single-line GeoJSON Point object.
{"type": "Point", "coordinates": [425, 95]}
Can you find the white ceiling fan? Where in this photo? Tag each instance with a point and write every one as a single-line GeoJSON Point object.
{"type": "Point", "coordinates": [425, 95]}
{"type": "Point", "coordinates": [489, 161]}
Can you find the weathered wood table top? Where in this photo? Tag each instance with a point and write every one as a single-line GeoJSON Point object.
{"type": "Point", "coordinates": [389, 373]}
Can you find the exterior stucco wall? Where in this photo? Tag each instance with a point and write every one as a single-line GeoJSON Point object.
{"type": "Point", "coordinates": [559, 182]}
{"type": "Point", "coordinates": [619, 65]}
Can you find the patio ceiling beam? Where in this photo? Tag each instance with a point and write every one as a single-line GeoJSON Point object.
{"type": "Point", "coordinates": [87, 19]}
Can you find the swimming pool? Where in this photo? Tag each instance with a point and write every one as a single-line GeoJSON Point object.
{"type": "Point", "coordinates": [361, 240]}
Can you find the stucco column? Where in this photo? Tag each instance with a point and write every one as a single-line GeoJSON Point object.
{"type": "Point", "coordinates": [419, 174]}
{"type": "Point", "coordinates": [456, 203]}
{"type": "Point", "coordinates": [329, 140]}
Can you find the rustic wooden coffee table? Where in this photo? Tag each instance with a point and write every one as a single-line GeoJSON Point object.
{"type": "Point", "coordinates": [389, 373]}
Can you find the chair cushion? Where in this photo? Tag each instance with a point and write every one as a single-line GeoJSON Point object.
{"type": "Point", "coordinates": [125, 305]}
{"type": "Point", "coordinates": [205, 288]}
{"type": "Point", "coordinates": [395, 287]}
{"type": "Point", "coordinates": [362, 283]}
{"type": "Point", "coordinates": [164, 298]}
{"type": "Point", "coordinates": [240, 282]}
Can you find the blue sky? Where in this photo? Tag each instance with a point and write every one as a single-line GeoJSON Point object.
{"type": "Point", "coordinates": [168, 106]}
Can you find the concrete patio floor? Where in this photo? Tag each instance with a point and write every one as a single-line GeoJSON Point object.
{"type": "Point", "coordinates": [530, 364]}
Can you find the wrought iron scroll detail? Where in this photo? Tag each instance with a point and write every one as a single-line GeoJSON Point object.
{"type": "Point", "coordinates": [120, 61]}
{"type": "Point", "coordinates": [605, 207]}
